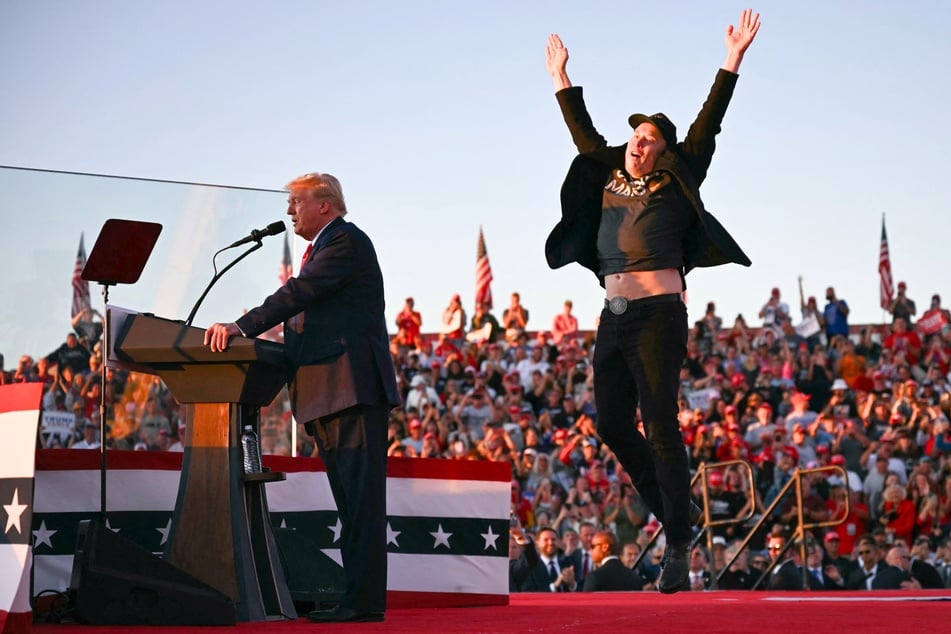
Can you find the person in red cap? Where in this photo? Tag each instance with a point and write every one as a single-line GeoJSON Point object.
{"type": "Point", "coordinates": [453, 323]}
{"type": "Point", "coordinates": [854, 516]}
{"type": "Point", "coordinates": [832, 543]}
{"type": "Point", "coordinates": [731, 445]}
{"type": "Point", "coordinates": [803, 443]}
{"type": "Point", "coordinates": [787, 461]}
{"type": "Point", "coordinates": [935, 318]}
{"type": "Point", "coordinates": [633, 215]}
{"type": "Point", "coordinates": [722, 503]}
{"type": "Point", "coordinates": [414, 441]}
{"type": "Point", "coordinates": [810, 327]}
{"type": "Point", "coordinates": [904, 343]}
{"type": "Point", "coordinates": [902, 307]}
{"type": "Point", "coordinates": [774, 313]}
{"type": "Point", "coordinates": [762, 424]}
{"type": "Point", "coordinates": [801, 413]}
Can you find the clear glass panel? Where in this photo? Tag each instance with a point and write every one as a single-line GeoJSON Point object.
{"type": "Point", "coordinates": [44, 214]}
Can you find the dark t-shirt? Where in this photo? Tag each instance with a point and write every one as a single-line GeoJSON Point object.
{"type": "Point", "coordinates": [643, 224]}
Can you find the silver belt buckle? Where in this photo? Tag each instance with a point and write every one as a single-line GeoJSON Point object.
{"type": "Point", "coordinates": [618, 305]}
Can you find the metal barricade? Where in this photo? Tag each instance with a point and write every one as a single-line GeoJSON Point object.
{"type": "Point", "coordinates": [795, 483]}
{"type": "Point", "coordinates": [701, 474]}
{"type": "Point", "coordinates": [798, 537]}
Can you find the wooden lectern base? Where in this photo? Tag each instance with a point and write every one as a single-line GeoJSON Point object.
{"type": "Point", "coordinates": [221, 532]}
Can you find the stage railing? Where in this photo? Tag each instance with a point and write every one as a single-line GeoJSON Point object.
{"type": "Point", "coordinates": [798, 537]}
{"type": "Point", "coordinates": [701, 475]}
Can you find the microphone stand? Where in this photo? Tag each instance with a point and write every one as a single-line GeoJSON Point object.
{"type": "Point", "coordinates": [106, 334]}
{"type": "Point", "coordinates": [191, 315]}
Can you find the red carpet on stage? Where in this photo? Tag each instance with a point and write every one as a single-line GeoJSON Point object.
{"type": "Point", "coordinates": [695, 612]}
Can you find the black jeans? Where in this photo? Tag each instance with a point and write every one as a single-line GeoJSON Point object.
{"type": "Point", "coordinates": [637, 361]}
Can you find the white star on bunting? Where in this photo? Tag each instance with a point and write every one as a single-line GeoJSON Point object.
{"type": "Point", "coordinates": [14, 510]}
{"type": "Point", "coordinates": [43, 535]}
{"type": "Point", "coordinates": [337, 529]}
{"type": "Point", "coordinates": [165, 532]}
{"type": "Point", "coordinates": [441, 537]}
{"type": "Point", "coordinates": [490, 539]}
{"type": "Point", "coordinates": [391, 535]}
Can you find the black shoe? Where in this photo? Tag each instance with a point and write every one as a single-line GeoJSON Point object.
{"type": "Point", "coordinates": [343, 614]}
{"type": "Point", "coordinates": [696, 514]}
{"type": "Point", "coordinates": [676, 573]}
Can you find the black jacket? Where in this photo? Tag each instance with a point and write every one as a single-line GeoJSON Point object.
{"type": "Point", "coordinates": [537, 578]}
{"type": "Point", "coordinates": [521, 567]}
{"type": "Point", "coordinates": [886, 578]}
{"type": "Point", "coordinates": [574, 238]}
{"type": "Point", "coordinates": [612, 575]}
{"type": "Point", "coordinates": [926, 574]}
{"type": "Point", "coordinates": [788, 576]}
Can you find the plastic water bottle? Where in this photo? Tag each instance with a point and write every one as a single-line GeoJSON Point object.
{"type": "Point", "coordinates": [251, 450]}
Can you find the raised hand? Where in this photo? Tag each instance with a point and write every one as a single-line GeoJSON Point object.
{"type": "Point", "coordinates": [739, 38]}
{"type": "Point", "coordinates": [556, 61]}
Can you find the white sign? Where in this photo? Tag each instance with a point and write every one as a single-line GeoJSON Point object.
{"type": "Point", "coordinates": [59, 423]}
{"type": "Point", "coordinates": [701, 399]}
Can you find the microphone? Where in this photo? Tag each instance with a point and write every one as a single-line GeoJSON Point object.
{"type": "Point", "coordinates": [272, 229]}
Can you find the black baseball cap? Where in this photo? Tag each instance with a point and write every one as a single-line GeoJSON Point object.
{"type": "Point", "coordinates": [660, 121]}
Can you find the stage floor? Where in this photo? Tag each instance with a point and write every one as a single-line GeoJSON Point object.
{"type": "Point", "coordinates": [695, 612]}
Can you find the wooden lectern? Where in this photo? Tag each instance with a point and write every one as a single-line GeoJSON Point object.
{"type": "Point", "coordinates": [221, 532]}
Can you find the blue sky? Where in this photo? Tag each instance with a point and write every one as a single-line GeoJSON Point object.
{"type": "Point", "coordinates": [439, 118]}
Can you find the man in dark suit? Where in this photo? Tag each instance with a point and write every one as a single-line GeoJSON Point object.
{"type": "Point", "coordinates": [522, 556]}
{"type": "Point", "coordinates": [551, 573]}
{"type": "Point", "coordinates": [926, 574]}
{"type": "Point", "coordinates": [343, 385]}
{"type": "Point", "coordinates": [914, 574]}
{"type": "Point", "coordinates": [821, 577]}
{"type": "Point", "coordinates": [870, 573]}
{"type": "Point", "coordinates": [610, 574]}
{"type": "Point", "coordinates": [786, 573]}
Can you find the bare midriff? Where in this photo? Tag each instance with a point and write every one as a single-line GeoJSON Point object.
{"type": "Point", "coordinates": [638, 284]}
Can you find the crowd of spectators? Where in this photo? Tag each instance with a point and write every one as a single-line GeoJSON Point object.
{"type": "Point", "coordinates": [141, 413]}
{"type": "Point", "coordinates": [790, 393]}
{"type": "Point", "coordinates": [793, 392]}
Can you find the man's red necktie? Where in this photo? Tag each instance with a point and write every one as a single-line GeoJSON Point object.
{"type": "Point", "coordinates": [307, 251]}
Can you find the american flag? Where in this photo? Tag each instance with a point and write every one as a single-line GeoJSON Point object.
{"type": "Point", "coordinates": [886, 289]}
{"type": "Point", "coordinates": [483, 274]}
{"type": "Point", "coordinates": [80, 286]}
{"type": "Point", "coordinates": [287, 270]}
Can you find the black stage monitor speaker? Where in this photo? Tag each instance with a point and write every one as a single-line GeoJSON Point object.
{"type": "Point", "coordinates": [116, 582]}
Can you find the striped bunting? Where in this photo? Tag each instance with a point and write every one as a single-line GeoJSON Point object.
{"type": "Point", "coordinates": [19, 420]}
{"type": "Point", "coordinates": [447, 518]}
